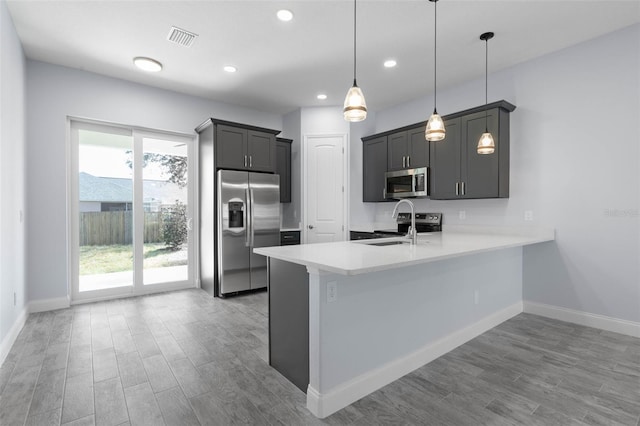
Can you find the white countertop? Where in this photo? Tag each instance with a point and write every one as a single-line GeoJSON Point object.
{"type": "Point", "coordinates": [358, 257]}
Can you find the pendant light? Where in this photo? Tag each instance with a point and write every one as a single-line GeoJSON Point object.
{"type": "Point", "coordinates": [435, 126]}
{"type": "Point", "coordinates": [355, 108]}
{"type": "Point", "coordinates": [486, 144]}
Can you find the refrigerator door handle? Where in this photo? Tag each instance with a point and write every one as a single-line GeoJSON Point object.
{"type": "Point", "coordinates": [247, 219]}
{"type": "Point", "coordinates": [252, 237]}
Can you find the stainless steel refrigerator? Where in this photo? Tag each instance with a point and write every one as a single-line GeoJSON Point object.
{"type": "Point", "coordinates": [247, 216]}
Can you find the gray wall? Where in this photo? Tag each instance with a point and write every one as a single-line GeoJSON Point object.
{"type": "Point", "coordinates": [56, 92]}
{"type": "Point", "coordinates": [575, 163]}
{"type": "Point", "coordinates": [12, 176]}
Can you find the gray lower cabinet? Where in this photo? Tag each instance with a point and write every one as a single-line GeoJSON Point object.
{"type": "Point", "coordinates": [407, 149]}
{"type": "Point", "coordinates": [458, 171]}
{"type": "Point", "coordinates": [289, 238]}
{"type": "Point", "coordinates": [242, 147]}
{"type": "Point", "coordinates": [283, 168]}
{"type": "Point", "coordinates": [374, 166]}
{"type": "Point", "coordinates": [289, 321]}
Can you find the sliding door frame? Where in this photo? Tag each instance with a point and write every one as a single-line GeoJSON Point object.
{"type": "Point", "coordinates": [73, 255]}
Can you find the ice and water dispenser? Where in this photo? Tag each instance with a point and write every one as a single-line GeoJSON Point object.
{"type": "Point", "coordinates": [236, 214]}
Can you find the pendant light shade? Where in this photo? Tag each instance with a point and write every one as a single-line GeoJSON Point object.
{"type": "Point", "coordinates": [486, 145]}
{"type": "Point", "coordinates": [435, 130]}
{"type": "Point", "coordinates": [355, 107]}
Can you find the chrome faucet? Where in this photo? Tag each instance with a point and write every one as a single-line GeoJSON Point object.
{"type": "Point", "coordinates": [412, 231]}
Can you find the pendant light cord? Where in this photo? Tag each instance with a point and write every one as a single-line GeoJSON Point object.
{"type": "Point", "coordinates": [486, 84]}
{"type": "Point", "coordinates": [354, 42]}
{"type": "Point", "coordinates": [435, 57]}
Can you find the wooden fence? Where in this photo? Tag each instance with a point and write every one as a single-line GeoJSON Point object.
{"type": "Point", "coordinates": [107, 228]}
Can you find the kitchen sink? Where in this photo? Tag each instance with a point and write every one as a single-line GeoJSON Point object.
{"type": "Point", "coordinates": [388, 243]}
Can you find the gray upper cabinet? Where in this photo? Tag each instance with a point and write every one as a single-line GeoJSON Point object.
{"type": "Point", "coordinates": [407, 149]}
{"type": "Point", "coordinates": [397, 151]}
{"type": "Point", "coordinates": [402, 149]}
{"type": "Point", "coordinates": [418, 148]}
{"type": "Point", "coordinates": [374, 166]}
{"type": "Point", "coordinates": [457, 170]}
{"type": "Point", "coordinates": [231, 147]}
{"type": "Point", "coordinates": [484, 176]}
{"type": "Point", "coordinates": [242, 147]}
{"type": "Point", "coordinates": [283, 168]}
{"type": "Point", "coordinates": [261, 150]}
{"type": "Point", "coordinates": [445, 163]}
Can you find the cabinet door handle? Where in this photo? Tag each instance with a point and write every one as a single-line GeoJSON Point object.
{"type": "Point", "coordinates": [403, 166]}
{"type": "Point", "coordinates": [463, 188]}
{"type": "Point", "coordinates": [245, 161]}
{"type": "Point", "coordinates": [384, 193]}
{"type": "Point", "coordinates": [250, 161]}
{"type": "Point", "coordinates": [457, 188]}
{"type": "Point", "coordinates": [408, 161]}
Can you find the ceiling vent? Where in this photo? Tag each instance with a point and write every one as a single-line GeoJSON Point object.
{"type": "Point", "coordinates": [181, 37]}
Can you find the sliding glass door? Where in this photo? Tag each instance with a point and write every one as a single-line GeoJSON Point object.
{"type": "Point", "coordinates": [165, 198]}
{"type": "Point", "coordinates": [130, 211]}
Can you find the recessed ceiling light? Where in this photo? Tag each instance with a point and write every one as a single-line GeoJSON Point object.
{"type": "Point", "coordinates": [284, 15]}
{"type": "Point", "coordinates": [390, 63]}
{"type": "Point", "coordinates": [230, 68]}
{"type": "Point", "coordinates": [147, 64]}
{"type": "Point", "coordinates": [322, 96]}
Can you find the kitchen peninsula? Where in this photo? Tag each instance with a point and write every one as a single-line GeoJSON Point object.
{"type": "Point", "coordinates": [347, 318]}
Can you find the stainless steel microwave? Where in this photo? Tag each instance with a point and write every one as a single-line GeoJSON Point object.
{"type": "Point", "coordinates": [409, 183]}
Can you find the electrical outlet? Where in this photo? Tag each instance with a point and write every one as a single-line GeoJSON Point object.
{"type": "Point", "coordinates": [332, 291]}
{"type": "Point", "coordinates": [476, 296]}
{"type": "Point", "coordinates": [462, 214]}
{"type": "Point", "coordinates": [528, 215]}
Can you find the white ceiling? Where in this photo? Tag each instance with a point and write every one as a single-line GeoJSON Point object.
{"type": "Point", "coordinates": [283, 66]}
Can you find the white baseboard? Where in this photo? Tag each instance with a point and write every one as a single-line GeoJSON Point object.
{"type": "Point", "coordinates": [587, 319]}
{"type": "Point", "coordinates": [32, 307]}
{"type": "Point", "coordinates": [49, 304]}
{"type": "Point", "coordinates": [323, 405]}
{"type": "Point", "coordinates": [12, 335]}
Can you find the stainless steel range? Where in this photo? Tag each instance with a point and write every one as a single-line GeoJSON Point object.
{"type": "Point", "coordinates": [425, 222]}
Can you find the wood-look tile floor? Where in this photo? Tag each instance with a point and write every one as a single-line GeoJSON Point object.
{"type": "Point", "coordinates": [184, 358]}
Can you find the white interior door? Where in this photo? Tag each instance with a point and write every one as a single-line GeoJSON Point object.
{"type": "Point", "coordinates": [325, 188]}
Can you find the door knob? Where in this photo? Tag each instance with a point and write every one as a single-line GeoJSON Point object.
{"type": "Point", "coordinates": [310, 226]}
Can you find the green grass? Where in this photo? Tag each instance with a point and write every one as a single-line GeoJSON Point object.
{"type": "Point", "coordinates": [118, 258]}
